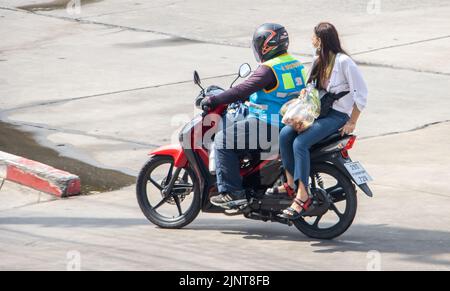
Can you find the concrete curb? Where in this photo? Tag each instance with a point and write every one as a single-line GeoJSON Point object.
{"type": "Point", "coordinates": [38, 176]}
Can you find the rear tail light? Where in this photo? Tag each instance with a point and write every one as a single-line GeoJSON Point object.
{"type": "Point", "coordinates": [348, 147]}
{"type": "Point", "coordinates": [344, 154]}
{"type": "Point", "coordinates": [350, 143]}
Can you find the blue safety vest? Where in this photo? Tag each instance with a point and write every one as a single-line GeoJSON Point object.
{"type": "Point", "coordinates": [291, 79]}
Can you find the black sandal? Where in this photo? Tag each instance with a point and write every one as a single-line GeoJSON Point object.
{"type": "Point", "coordinates": [292, 214]}
{"type": "Point", "coordinates": [275, 190]}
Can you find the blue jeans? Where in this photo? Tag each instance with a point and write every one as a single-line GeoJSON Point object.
{"type": "Point", "coordinates": [248, 137]}
{"type": "Point", "coordinates": [295, 147]}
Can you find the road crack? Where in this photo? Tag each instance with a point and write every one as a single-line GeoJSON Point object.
{"type": "Point", "coordinates": [405, 131]}
{"type": "Point", "coordinates": [208, 40]}
{"type": "Point", "coordinates": [65, 100]}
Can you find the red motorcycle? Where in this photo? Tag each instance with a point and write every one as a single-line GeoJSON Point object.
{"type": "Point", "coordinates": [176, 183]}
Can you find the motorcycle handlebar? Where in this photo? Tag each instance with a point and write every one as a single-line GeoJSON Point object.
{"type": "Point", "coordinates": [206, 110]}
{"type": "Point", "coordinates": [216, 110]}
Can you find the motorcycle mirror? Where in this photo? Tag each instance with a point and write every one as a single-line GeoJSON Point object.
{"type": "Point", "coordinates": [245, 70]}
{"type": "Point", "coordinates": [197, 78]}
{"type": "Point", "coordinates": [198, 82]}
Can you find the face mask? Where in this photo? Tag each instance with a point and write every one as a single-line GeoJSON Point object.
{"type": "Point", "coordinates": [313, 50]}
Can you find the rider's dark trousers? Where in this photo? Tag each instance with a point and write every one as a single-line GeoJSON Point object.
{"type": "Point", "coordinates": [246, 136]}
{"type": "Point", "coordinates": [295, 147]}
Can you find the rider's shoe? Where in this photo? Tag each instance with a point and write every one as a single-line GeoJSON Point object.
{"type": "Point", "coordinates": [229, 200]}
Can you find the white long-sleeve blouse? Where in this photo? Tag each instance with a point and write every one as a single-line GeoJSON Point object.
{"type": "Point", "coordinates": [346, 76]}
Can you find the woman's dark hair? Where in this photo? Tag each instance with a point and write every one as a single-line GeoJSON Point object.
{"type": "Point", "coordinates": [330, 47]}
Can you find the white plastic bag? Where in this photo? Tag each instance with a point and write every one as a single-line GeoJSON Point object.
{"type": "Point", "coordinates": [301, 112]}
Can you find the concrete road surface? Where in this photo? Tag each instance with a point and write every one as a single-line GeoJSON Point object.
{"type": "Point", "coordinates": [108, 81]}
{"type": "Point", "coordinates": [406, 226]}
{"type": "Point", "coordinates": [114, 80]}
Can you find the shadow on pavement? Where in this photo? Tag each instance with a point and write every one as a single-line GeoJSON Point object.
{"type": "Point", "coordinates": [53, 5]}
{"type": "Point", "coordinates": [73, 221]}
{"type": "Point", "coordinates": [93, 179]}
{"type": "Point", "coordinates": [420, 245]}
{"type": "Point", "coordinates": [167, 42]}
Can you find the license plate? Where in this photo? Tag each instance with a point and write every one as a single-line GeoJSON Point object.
{"type": "Point", "coordinates": [358, 173]}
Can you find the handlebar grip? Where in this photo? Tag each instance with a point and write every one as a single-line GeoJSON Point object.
{"type": "Point", "coordinates": [206, 109]}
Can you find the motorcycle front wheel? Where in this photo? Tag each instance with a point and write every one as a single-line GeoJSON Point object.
{"type": "Point", "coordinates": [168, 210]}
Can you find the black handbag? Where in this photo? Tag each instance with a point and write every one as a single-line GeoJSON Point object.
{"type": "Point", "coordinates": [326, 102]}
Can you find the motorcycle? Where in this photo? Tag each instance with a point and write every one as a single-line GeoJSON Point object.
{"type": "Point", "coordinates": [176, 183]}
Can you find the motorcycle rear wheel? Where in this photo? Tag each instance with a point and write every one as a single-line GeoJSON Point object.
{"type": "Point", "coordinates": [343, 191]}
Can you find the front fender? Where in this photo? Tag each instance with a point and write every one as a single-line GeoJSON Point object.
{"type": "Point", "coordinates": [174, 151]}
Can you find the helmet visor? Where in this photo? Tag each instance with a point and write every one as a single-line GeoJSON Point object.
{"type": "Point", "coordinates": [257, 54]}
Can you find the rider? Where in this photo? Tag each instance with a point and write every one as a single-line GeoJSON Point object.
{"type": "Point", "coordinates": [278, 79]}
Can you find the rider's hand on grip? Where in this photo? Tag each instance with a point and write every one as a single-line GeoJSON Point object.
{"type": "Point", "coordinates": [207, 104]}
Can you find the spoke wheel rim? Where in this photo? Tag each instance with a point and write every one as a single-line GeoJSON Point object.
{"type": "Point", "coordinates": [183, 187]}
{"type": "Point", "coordinates": [314, 222]}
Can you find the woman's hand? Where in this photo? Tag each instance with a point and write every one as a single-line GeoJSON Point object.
{"type": "Point", "coordinates": [302, 93]}
{"type": "Point", "coordinates": [297, 124]}
{"type": "Point", "coordinates": [348, 128]}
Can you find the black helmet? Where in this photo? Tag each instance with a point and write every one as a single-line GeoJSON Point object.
{"type": "Point", "coordinates": [270, 40]}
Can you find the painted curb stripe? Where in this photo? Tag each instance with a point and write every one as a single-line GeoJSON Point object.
{"type": "Point", "coordinates": [3, 171]}
{"type": "Point", "coordinates": [38, 176]}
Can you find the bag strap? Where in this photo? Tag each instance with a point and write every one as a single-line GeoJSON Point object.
{"type": "Point", "coordinates": [340, 95]}
{"type": "Point", "coordinates": [337, 96]}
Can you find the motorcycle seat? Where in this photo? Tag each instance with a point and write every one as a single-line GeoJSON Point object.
{"type": "Point", "coordinates": [335, 137]}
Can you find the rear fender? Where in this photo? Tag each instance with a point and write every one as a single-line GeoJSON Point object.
{"type": "Point", "coordinates": [174, 151]}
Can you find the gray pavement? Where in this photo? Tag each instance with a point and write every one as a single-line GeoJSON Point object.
{"type": "Point", "coordinates": [406, 224]}
{"type": "Point", "coordinates": [91, 80]}
{"type": "Point", "coordinates": [114, 82]}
